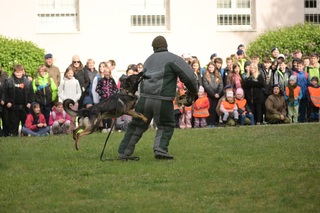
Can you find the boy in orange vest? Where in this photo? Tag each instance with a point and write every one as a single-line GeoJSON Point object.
{"type": "Point", "coordinates": [229, 108]}
{"type": "Point", "coordinates": [293, 96]}
{"type": "Point", "coordinates": [201, 109]}
{"type": "Point", "coordinates": [243, 108]}
{"type": "Point", "coordinates": [314, 99]}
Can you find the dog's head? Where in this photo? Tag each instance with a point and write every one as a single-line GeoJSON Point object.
{"type": "Point", "coordinates": [130, 83]}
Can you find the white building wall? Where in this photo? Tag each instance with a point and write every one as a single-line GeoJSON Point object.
{"type": "Point", "coordinates": [105, 30]}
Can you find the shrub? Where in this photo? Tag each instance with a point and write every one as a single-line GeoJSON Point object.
{"type": "Point", "coordinates": [16, 51]}
{"type": "Point", "coordinates": [305, 37]}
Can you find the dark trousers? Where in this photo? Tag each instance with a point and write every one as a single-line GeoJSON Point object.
{"type": "Point", "coordinates": [302, 110]}
{"type": "Point", "coordinates": [45, 110]}
{"type": "Point", "coordinates": [213, 118]}
{"type": "Point", "coordinates": [17, 114]}
{"type": "Point", "coordinates": [5, 121]}
{"type": "Point", "coordinates": [314, 113]}
{"type": "Point", "coordinates": [256, 109]}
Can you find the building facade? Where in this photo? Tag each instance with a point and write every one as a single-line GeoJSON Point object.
{"type": "Point", "coordinates": [123, 30]}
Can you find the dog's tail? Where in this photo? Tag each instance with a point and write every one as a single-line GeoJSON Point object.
{"type": "Point", "coordinates": [66, 107]}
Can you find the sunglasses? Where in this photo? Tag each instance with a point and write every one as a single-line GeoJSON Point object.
{"type": "Point", "coordinates": [76, 62]}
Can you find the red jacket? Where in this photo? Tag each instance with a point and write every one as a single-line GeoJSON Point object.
{"type": "Point", "coordinates": [29, 121]}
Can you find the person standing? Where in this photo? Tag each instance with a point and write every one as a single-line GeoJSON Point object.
{"type": "Point", "coordinates": [45, 91]}
{"type": "Point", "coordinates": [4, 130]}
{"type": "Point", "coordinates": [77, 66]}
{"type": "Point", "coordinates": [213, 86]}
{"type": "Point", "coordinates": [18, 96]}
{"type": "Point", "coordinates": [53, 71]}
{"type": "Point", "coordinates": [157, 92]}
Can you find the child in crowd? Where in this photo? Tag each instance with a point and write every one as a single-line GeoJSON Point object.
{"type": "Point", "coordinates": [235, 78]}
{"type": "Point", "coordinates": [186, 111]}
{"type": "Point", "coordinates": [293, 95]}
{"type": "Point", "coordinates": [243, 108]}
{"type": "Point", "coordinates": [219, 62]}
{"type": "Point", "coordinates": [201, 109]}
{"type": "Point", "coordinates": [229, 108]}
{"type": "Point", "coordinates": [70, 88]}
{"type": "Point", "coordinates": [281, 75]}
{"type": "Point", "coordinates": [59, 120]}
{"type": "Point", "coordinates": [35, 124]}
{"type": "Point", "coordinates": [195, 65]}
{"type": "Point", "coordinates": [18, 95]}
{"type": "Point", "coordinates": [45, 91]}
{"type": "Point", "coordinates": [96, 79]}
{"type": "Point", "coordinates": [213, 86]}
{"type": "Point", "coordinates": [105, 88]}
{"type": "Point", "coordinates": [314, 99]}
{"type": "Point", "coordinates": [302, 81]}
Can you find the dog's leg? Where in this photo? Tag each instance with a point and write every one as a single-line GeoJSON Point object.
{"type": "Point", "coordinates": [137, 115]}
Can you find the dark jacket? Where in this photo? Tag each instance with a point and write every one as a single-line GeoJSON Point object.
{"type": "Point", "coordinates": [254, 89]}
{"type": "Point", "coordinates": [3, 77]}
{"type": "Point", "coordinates": [13, 85]}
{"type": "Point", "coordinates": [162, 69]}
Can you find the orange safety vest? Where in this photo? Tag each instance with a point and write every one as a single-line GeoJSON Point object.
{"type": "Point", "coordinates": [227, 105]}
{"type": "Point", "coordinates": [296, 91]}
{"type": "Point", "coordinates": [241, 103]}
{"type": "Point", "coordinates": [314, 95]}
{"type": "Point", "coordinates": [203, 112]}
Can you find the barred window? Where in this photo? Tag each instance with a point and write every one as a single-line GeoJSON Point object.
{"type": "Point", "coordinates": [149, 14]}
{"type": "Point", "coordinates": [312, 11]}
{"type": "Point", "coordinates": [235, 14]}
{"type": "Point", "coordinates": [58, 16]}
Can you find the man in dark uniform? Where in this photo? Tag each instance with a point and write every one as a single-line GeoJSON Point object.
{"type": "Point", "coordinates": [157, 93]}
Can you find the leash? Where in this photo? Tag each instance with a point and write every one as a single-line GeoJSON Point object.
{"type": "Point", "coordinates": [105, 144]}
{"type": "Point", "coordinates": [106, 141]}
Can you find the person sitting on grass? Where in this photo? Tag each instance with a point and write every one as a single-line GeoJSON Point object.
{"type": "Point", "coordinates": [229, 108]}
{"type": "Point", "coordinates": [35, 124]}
{"type": "Point", "coordinates": [59, 120]}
{"type": "Point", "coordinates": [276, 109]}
{"type": "Point", "coordinates": [243, 108]}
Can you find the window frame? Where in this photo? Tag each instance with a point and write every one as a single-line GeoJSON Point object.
{"type": "Point", "coordinates": [234, 11]}
{"type": "Point", "coordinates": [312, 12]}
{"type": "Point", "coordinates": [58, 12]}
{"type": "Point", "coordinates": [149, 12]}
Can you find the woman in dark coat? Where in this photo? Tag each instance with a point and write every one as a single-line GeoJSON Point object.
{"type": "Point", "coordinates": [254, 92]}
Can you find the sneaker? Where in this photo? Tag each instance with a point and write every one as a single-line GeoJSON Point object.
{"type": "Point", "coordinates": [162, 156]}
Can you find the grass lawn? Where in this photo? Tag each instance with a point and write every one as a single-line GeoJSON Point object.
{"type": "Point", "coordinates": [273, 168]}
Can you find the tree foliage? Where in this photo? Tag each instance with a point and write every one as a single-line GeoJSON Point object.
{"type": "Point", "coordinates": [16, 51]}
{"type": "Point", "coordinates": [305, 37]}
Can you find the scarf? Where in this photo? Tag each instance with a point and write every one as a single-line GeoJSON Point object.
{"type": "Point", "coordinates": [291, 92]}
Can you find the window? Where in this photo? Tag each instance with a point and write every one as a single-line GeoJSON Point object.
{"type": "Point", "coordinates": [149, 15]}
{"type": "Point", "coordinates": [56, 16]}
{"type": "Point", "coordinates": [235, 14]}
{"type": "Point", "coordinates": [312, 11]}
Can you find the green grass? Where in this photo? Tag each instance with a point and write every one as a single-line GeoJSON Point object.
{"type": "Point", "coordinates": [245, 169]}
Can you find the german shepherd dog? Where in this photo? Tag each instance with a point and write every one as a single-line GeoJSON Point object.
{"type": "Point", "coordinates": [116, 105]}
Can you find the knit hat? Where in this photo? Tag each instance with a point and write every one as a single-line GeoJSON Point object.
{"type": "Point", "coordinates": [159, 42]}
{"type": "Point", "coordinates": [293, 78]}
{"type": "Point", "coordinates": [239, 91]}
{"type": "Point", "coordinates": [229, 94]}
{"type": "Point", "coordinates": [201, 89]}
